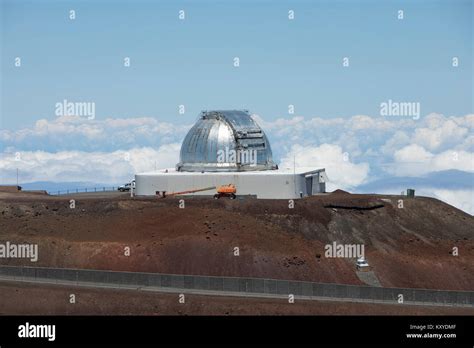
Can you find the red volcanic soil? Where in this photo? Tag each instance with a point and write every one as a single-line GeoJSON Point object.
{"type": "Point", "coordinates": [27, 299]}
{"type": "Point", "coordinates": [406, 247]}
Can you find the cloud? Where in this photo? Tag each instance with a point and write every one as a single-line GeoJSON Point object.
{"type": "Point", "coordinates": [441, 134]}
{"type": "Point", "coordinates": [75, 148]}
{"type": "Point", "coordinates": [73, 166]}
{"type": "Point", "coordinates": [398, 140]}
{"type": "Point", "coordinates": [75, 133]}
{"type": "Point", "coordinates": [341, 171]}
{"type": "Point", "coordinates": [365, 138]}
{"type": "Point", "coordinates": [413, 153]}
{"type": "Point", "coordinates": [379, 140]}
{"type": "Point", "coordinates": [414, 160]}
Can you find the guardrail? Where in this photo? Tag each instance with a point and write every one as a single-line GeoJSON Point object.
{"type": "Point", "coordinates": [243, 286]}
{"type": "Point", "coordinates": [83, 190]}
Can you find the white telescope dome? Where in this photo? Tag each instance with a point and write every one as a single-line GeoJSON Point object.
{"type": "Point", "coordinates": [225, 140]}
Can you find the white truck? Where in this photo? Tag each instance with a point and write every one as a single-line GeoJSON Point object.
{"type": "Point", "coordinates": [362, 264]}
{"type": "Point", "coordinates": [126, 187]}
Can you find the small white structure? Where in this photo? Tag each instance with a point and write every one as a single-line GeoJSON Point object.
{"type": "Point", "coordinates": [228, 147]}
{"type": "Point", "coordinates": [284, 183]}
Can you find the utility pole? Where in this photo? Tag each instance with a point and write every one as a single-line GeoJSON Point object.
{"type": "Point", "coordinates": [16, 176]}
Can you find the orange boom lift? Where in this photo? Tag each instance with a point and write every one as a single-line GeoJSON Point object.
{"type": "Point", "coordinates": [226, 191]}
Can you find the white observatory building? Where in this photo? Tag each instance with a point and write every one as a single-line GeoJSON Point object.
{"type": "Point", "coordinates": [228, 147]}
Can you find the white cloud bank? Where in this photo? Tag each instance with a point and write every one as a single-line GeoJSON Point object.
{"type": "Point", "coordinates": [74, 133]}
{"type": "Point", "coordinates": [414, 160]}
{"type": "Point", "coordinates": [353, 150]}
{"type": "Point", "coordinates": [99, 167]}
{"type": "Point", "coordinates": [342, 172]}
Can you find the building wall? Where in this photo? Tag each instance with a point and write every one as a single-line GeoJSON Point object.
{"type": "Point", "coordinates": [264, 186]}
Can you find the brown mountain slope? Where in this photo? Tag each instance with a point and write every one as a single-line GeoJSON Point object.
{"type": "Point", "coordinates": [407, 247]}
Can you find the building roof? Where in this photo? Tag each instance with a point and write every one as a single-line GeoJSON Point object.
{"type": "Point", "coordinates": [279, 171]}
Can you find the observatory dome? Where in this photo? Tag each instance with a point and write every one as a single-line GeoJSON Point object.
{"type": "Point", "coordinates": [225, 140]}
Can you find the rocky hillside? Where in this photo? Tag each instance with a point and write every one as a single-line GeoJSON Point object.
{"type": "Point", "coordinates": [406, 247]}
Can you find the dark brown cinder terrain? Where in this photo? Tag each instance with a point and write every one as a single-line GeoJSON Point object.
{"type": "Point", "coordinates": [406, 247]}
{"type": "Point", "coordinates": [27, 299]}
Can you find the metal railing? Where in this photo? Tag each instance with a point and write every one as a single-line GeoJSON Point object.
{"type": "Point", "coordinates": [242, 286]}
{"type": "Point", "coordinates": [82, 190]}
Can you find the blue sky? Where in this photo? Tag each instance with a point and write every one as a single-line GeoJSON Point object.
{"type": "Point", "coordinates": [337, 123]}
{"type": "Point", "coordinates": [190, 62]}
